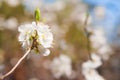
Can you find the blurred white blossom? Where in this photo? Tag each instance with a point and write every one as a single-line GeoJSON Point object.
{"type": "Point", "coordinates": [97, 38]}
{"type": "Point", "coordinates": [99, 12]}
{"type": "Point", "coordinates": [94, 63]}
{"type": "Point", "coordinates": [61, 65]}
{"type": "Point", "coordinates": [11, 23]}
{"type": "Point", "coordinates": [99, 43]}
{"type": "Point", "coordinates": [89, 68]}
{"type": "Point", "coordinates": [105, 52]}
{"type": "Point", "coordinates": [38, 33]}
{"type": "Point", "coordinates": [13, 3]}
{"type": "Point", "coordinates": [92, 74]}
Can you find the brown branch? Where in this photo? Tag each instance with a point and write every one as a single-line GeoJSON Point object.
{"type": "Point", "coordinates": [88, 36]}
{"type": "Point", "coordinates": [13, 69]}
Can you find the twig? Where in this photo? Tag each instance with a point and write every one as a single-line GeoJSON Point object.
{"type": "Point", "coordinates": [87, 35]}
{"type": "Point", "coordinates": [88, 46]}
{"type": "Point", "coordinates": [13, 69]}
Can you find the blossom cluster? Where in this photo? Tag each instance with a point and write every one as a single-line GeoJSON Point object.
{"type": "Point", "coordinates": [38, 36]}
{"type": "Point", "coordinates": [61, 66]}
{"type": "Point", "coordinates": [99, 43]}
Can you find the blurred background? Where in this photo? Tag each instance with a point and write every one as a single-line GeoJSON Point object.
{"type": "Point", "coordinates": [66, 19]}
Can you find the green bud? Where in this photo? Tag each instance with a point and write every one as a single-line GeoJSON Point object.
{"type": "Point", "coordinates": [37, 15]}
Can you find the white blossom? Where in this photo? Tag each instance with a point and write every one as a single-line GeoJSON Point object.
{"type": "Point", "coordinates": [89, 68]}
{"type": "Point", "coordinates": [97, 38]}
{"type": "Point", "coordinates": [99, 43]}
{"type": "Point", "coordinates": [92, 74]}
{"type": "Point", "coordinates": [94, 63]}
{"type": "Point", "coordinates": [40, 32]}
{"type": "Point", "coordinates": [61, 66]}
{"type": "Point", "coordinates": [105, 52]}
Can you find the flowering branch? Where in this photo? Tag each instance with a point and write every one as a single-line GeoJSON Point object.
{"type": "Point", "coordinates": [89, 67]}
{"type": "Point", "coordinates": [17, 64]}
{"type": "Point", "coordinates": [36, 37]}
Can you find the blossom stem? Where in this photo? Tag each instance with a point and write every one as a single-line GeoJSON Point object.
{"type": "Point", "coordinates": [19, 61]}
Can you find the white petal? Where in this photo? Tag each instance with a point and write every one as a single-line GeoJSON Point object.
{"type": "Point", "coordinates": [47, 52]}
